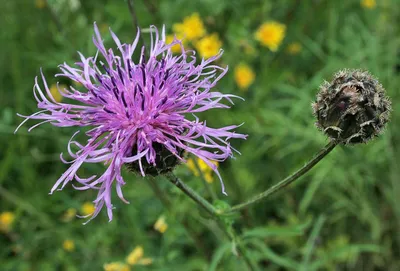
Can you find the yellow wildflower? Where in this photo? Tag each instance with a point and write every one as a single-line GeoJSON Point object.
{"type": "Point", "coordinates": [87, 208]}
{"type": "Point", "coordinates": [208, 177]}
{"type": "Point", "coordinates": [271, 34]}
{"type": "Point", "coordinates": [209, 45]}
{"type": "Point", "coordinates": [294, 48]}
{"type": "Point", "coordinates": [116, 266]}
{"type": "Point", "coordinates": [55, 93]}
{"type": "Point", "coordinates": [146, 261]}
{"type": "Point", "coordinates": [40, 4]}
{"type": "Point", "coordinates": [205, 169]}
{"type": "Point", "coordinates": [191, 28]}
{"type": "Point", "coordinates": [244, 76]}
{"type": "Point", "coordinates": [135, 255]}
{"type": "Point", "coordinates": [68, 245]}
{"type": "Point", "coordinates": [192, 166]}
{"type": "Point", "coordinates": [369, 4]}
{"type": "Point", "coordinates": [160, 225]}
{"type": "Point", "coordinates": [176, 48]}
{"type": "Point", "coordinates": [6, 221]}
{"type": "Point", "coordinates": [204, 166]}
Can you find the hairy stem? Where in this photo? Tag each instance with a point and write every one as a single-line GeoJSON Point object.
{"type": "Point", "coordinates": [285, 182]}
{"type": "Point", "coordinates": [213, 212]}
{"type": "Point", "coordinates": [192, 194]}
{"type": "Point", "coordinates": [167, 205]}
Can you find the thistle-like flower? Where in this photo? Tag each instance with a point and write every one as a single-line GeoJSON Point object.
{"type": "Point", "coordinates": [137, 113]}
{"type": "Point", "coordinates": [353, 108]}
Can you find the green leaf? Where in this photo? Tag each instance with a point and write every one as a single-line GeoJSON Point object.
{"type": "Point", "coordinates": [309, 248]}
{"type": "Point", "coordinates": [277, 231]}
{"type": "Point", "coordinates": [218, 255]}
{"type": "Point", "coordinates": [270, 255]}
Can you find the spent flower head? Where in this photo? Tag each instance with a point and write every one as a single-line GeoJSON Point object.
{"type": "Point", "coordinates": [352, 108]}
{"type": "Point", "coordinates": [140, 114]}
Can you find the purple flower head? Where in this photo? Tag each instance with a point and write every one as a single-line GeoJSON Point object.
{"type": "Point", "coordinates": [135, 111]}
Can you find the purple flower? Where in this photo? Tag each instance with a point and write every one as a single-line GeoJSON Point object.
{"type": "Point", "coordinates": [136, 111]}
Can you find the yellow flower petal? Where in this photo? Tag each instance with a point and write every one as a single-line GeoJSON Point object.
{"type": "Point", "coordinates": [146, 261]}
{"type": "Point", "coordinates": [160, 225]}
{"type": "Point", "coordinates": [116, 266]}
{"type": "Point", "coordinates": [40, 4]}
{"type": "Point", "coordinates": [55, 93]}
{"type": "Point", "coordinates": [191, 28]}
{"type": "Point", "coordinates": [192, 166]}
{"type": "Point", "coordinates": [176, 48]}
{"type": "Point", "coordinates": [68, 245]}
{"type": "Point", "coordinates": [271, 34]}
{"type": "Point", "coordinates": [369, 4]}
{"type": "Point", "coordinates": [135, 255]}
{"type": "Point", "coordinates": [208, 177]}
{"type": "Point", "coordinates": [244, 76]}
{"type": "Point", "coordinates": [87, 208]}
{"type": "Point", "coordinates": [204, 167]}
{"type": "Point", "coordinates": [209, 45]}
{"type": "Point", "coordinates": [6, 221]}
{"type": "Point", "coordinates": [294, 48]}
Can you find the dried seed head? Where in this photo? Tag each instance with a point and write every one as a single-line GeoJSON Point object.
{"type": "Point", "coordinates": [353, 108]}
{"type": "Point", "coordinates": [165, 161]}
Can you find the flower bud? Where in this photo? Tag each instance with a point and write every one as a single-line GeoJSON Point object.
{"type": "Point", "coordinates": [352, 108]}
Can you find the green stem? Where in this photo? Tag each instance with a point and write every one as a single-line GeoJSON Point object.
{"type": "Point", "coordinates": [167, 204]}
{"type": "Point", "coordinates": [240, 247]}
{"type": "Point", "coordinates": [285, 182]}
{"type": "Point", "coordinates": [192, 194]}
{"type": "Point", "coordinates": [213, 212]}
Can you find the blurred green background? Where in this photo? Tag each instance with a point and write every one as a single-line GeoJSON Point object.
{"type": "Point", "coordinates": [343, 215]}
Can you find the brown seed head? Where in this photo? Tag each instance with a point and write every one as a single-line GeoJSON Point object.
{"type": "Point", "coordinates": [353, 108]}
